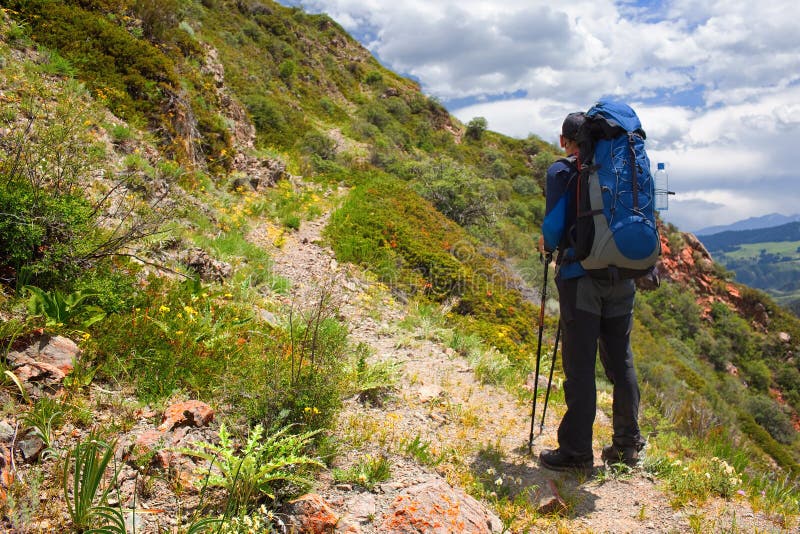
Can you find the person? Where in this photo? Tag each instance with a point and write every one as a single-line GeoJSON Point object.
{"type": "Point", "coordinates": [592, 312]}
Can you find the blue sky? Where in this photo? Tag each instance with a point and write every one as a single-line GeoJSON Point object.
{"type": "Point", "coordinates": [716, 83]}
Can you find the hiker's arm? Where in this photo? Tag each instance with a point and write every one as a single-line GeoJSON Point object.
{"type": "Point", "coordinates": [553, 226]}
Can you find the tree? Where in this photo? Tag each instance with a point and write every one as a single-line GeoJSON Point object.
{"type": "Point", "coordinates": [476, 127]}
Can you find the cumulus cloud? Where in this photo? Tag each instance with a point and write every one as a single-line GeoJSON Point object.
{"type": "Point", "coordinates": [716, 90]}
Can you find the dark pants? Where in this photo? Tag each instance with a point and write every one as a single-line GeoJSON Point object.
{"type": "Point", "coordinates": [597, 312]}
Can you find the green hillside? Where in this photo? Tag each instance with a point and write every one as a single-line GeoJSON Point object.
{"type": "Point", "coordinates": [766, 259]}
{"type": "Point", "coordinates": [155, 155]}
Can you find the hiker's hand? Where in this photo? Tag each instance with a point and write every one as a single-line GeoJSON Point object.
{"type": "Point", "coordinates": [541, 244]}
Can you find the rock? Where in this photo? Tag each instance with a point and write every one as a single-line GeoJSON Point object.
{"type": "Point", "coordinates": [550, 501]}
{"type": "Point", "coordinates": [58, 351]}
{"type": "Point", "coordinates": [269, 318]}
{"type": "Point", "coordinates": [434, 507]}
{"type": "Point", "coordinates": [311, 514]}
{"type": "Point", "coordinates": [428, 392]}
{"type": "Point", "coordinates": [362, 507]}
{"type": "Point", "coordinates": [154, 441]}
{"type": "Point", "coordinates": [191, 412]}
{"type": "Point", "coordinates": [784, 337]}
{"type": "Point", "coordinates": [6, 432]}
{"type": "Point", "coordinates": [209, 269]}
{"type": "Point", "coordinates": [6, 475]}
{"type": "Point", "coordinates": [134, 522]}
{"type": "Point", "coordinates": [541, 382]}
{"type": "Point", "coordinates": [31, 447]}
{"type": "Point", "coordinates": [44, 363]}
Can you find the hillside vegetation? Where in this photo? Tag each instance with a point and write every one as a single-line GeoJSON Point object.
{"type": "Point", "coordinates": [154, 156]}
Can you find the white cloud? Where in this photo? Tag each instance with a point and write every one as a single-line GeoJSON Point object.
{"type": "Point", "coordinates": [716, 83]}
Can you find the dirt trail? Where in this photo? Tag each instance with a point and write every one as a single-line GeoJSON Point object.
{"type": "Point", "coordinates": [440, 401]}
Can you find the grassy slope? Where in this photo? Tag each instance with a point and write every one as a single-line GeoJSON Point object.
{"type": "Point", "coordinates": [300, 77]}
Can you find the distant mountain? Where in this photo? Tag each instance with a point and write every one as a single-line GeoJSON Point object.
{"type": "Point", "coordinates": [732, 238]}
{"type": "Point", "coordinates": [753, 223]}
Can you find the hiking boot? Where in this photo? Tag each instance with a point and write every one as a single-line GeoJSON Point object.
{"type": "Point", "coordinates": [557, 460]}
{"type": "Point", "coordinates": [620, 455]}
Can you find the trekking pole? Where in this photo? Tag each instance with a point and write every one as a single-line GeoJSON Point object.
{"type": "Point", "coordinates": [550, 380]}
{"type": "Point", "coordinates": [547, 261]}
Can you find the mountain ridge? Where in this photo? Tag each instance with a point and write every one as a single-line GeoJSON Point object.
{"type": "Point", "coordinates": [751, 223]}
{"type": "Point", "coordinates": [785, 232]}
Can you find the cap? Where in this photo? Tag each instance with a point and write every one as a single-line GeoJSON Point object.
{"type": "Point", "coordinates": [572, 124]}
{"type": "Point", "coordinates": [661, 166]}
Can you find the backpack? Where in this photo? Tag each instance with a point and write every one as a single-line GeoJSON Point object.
{"type": "Point", "coordinates": [616, 237]}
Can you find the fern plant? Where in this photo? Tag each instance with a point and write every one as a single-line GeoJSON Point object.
{"type": "Point", "coordinates": [264, 464]}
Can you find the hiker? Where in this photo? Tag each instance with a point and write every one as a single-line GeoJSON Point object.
{"type": "Point", "coordinates": [593, 312]}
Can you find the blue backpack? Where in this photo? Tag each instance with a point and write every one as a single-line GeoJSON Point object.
{"type": "Point", "coordinates": [616, 237]}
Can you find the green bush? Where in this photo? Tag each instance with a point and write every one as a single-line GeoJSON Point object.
{"type": "Point", "coordinates": [318, 143]}
{"type": "Point", "coordinates": [767, 443]}
{"type": "Point", "coordinates": [476, 127]}
{"type": "Point", "coordinates": [772, 417]}
{"type": "Point", "coordinates": [376, 114]}
{"type": "Point", "coordinates": [457, 192]}
{"type": "Point", "coordinates": [286, 70]}
{"type": "Point", "coordinates": [267, 115]}
{"type": "Point", "coordinates": [159, 18]}
{"type": "Point", "coordinates": [373, 78]}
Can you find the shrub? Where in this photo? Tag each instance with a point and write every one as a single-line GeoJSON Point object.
{"type": "Point", "coordinates": [476, 127]}
{"type": "Point", "coordinates": [774, 420]}
{"type": "Point", "coordinates": [286, 70]}
{"type": "Point", "coordinates": [52, 231]}
{"type": "Point", "coordinates": [526, 185]}
{"type": "Point", "coordinates": [266, 114]}
{"type": "Point", "coordinates": [376, 114]}
{"type": "Point", "coordinates": [159, 17]}
{"type": "Point", "coordinates": [457, 192]}
{"type": "Point", "coordinates": [319, 144]}
{"type": "Point", "coordinates": [373, 78]}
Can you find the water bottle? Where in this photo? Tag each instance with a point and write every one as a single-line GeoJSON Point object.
{"type": "Point", "coordinates": [661, 188]}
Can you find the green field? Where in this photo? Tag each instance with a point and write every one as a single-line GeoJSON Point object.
{"type": "Point", "coordinates": [773, 267]}
{"type": "Point", "coordinates": [790, 249]}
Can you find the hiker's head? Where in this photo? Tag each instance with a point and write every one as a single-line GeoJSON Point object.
{"type": "Point", "coordinates": [569, 131]}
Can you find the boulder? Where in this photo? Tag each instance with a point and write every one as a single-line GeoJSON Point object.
{"type": "Point", "coordinates": [209, 269]}
{"type": "Point", "coordinates": [429, 392]}
{"type": "Point", "coordinates": [434, 507]}
{"type": "Point", "coordinates": [192, 412]}
{"type": "Point", "coordinates": [43, 364]}
{"type": "Point", "coordinates": [311, 514]}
